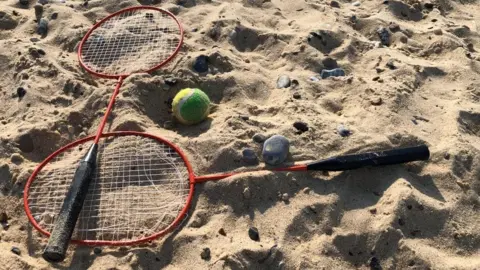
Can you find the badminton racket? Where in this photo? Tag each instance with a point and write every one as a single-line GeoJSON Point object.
{"type": "Point", "coordinates": [132, 40]}
{"type": "Point", "coordinates": [143, 185]}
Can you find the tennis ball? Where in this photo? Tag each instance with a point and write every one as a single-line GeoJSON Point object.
{"type": "Point", "coordinates": [191, 106]}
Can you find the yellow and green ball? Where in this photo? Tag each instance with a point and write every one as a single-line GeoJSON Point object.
{"type": "Point", "coordinates": [191, 106]}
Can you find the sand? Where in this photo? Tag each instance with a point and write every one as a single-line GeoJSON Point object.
{"type": "Point", "coordinates": [422, 86]}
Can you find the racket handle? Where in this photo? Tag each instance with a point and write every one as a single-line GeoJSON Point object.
{"type": "Point", "coordinates": [72, 205]}
{"type": "Point", "coordinates": [389, 157]}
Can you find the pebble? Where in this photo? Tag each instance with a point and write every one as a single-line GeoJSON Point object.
{"type": "Point", "coordinates": [97, 250]}
{"type": "Point", "coordinates": [222, 232]}
{"type": "Point", "coordinates": [336, 72]}
{"type": "Point", "coordinates": [438, 32]}
{"type": "Point", "coordinates": [275, 150]}
{"type": "Point", "coordinates": [375, 264]}
{"type": "Point", "coordinates": [295, 83]}
{"type": "Point", "coordinates": [343, 131]}
{"type": "Point", "coordinates": [170, 81]}
{"type": "Point", "coordinates": [16, 158]}
{"type": "Point", "coordinates": [259, 138]}
{"type": "Point", "coordinates": [446, 156]}
{"type": "Point", "coordinates": [356, 4]}
{"type": "Point", "coordinates": [205, 255]}
{"type": "Point", "coordinates": [335, 4]}
{"type": "Point", "coordinates": [285, 197]}
{"type": "Point", "coordinates": [384, 36]}
{"type": "Point", "coordinates": [390, 64]}
{"type": "Point", "coordinates": [249, 156]}
{"type": "Point", "coordinates": [38, 11]}
{"type": "Point", "coordinates": [394, 27]}
{"type": "Point", "coordinates": [301, 126]}
{"type": "Point", "coordinates": [306, 190]}
{"type": "Point", "coordinates": [283, 81]}
{"type": "Point", "coordinates": [16, 250]}
{"type": "Point", "coordinates": [34, 39]}
{"type": "Point", "coordinates": [3, 217]}
{"type": "Point", "coordinates": [247, 194]}
{"type": "Point", "coordinates": [201, 64]}
{"type": "Point", "coordinates": [21, 92]}
{"type": "Point", "coordinates": [297, 95]}
{"type": "Point", "coordinates": [314, 79]}
{"type": "Point", "coordinates": [329, 63]}
{"type": "Point", "coordinates": [253, 234]}
{"type": "Point", "coordinates": [54, 16]}
{"type": "Point", "coordinates": [23, 2]}
{"type": "Point", "coordinates": [42, 27]}
{"type": "Point", "coordinates": [244, 117]}
{"type": "Point", "coordinates": [376, 101]}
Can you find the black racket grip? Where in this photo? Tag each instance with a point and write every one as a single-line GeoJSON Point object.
{"type": "Point", "coordinates": [66, 221]}
{"type": "Point", "coordinates": [389, 157]}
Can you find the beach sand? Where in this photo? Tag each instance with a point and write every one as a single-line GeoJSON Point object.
{"type": "Point", "coordinates": [422, 85]}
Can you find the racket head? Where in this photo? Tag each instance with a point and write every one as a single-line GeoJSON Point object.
{"type": "Point", "coordinates": [141, 190]}
{"type": "Point", "coordinates": [132, 40]}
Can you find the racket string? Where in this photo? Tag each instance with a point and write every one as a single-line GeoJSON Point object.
{"type": "Point", "coordinates": [122, 204]}
{"type": "Point", "coordinates": [133, 41]}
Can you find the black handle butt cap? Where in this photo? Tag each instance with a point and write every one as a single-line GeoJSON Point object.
{"type": "Point", "coordinates": [53, 254]}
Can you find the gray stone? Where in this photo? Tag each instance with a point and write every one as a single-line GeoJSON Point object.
{"type": "Point", "coordinates": [283, 81]}
{"type": "Point", "coordinates": [249, 156]}
{"type": "Point", "coordinates": [275, 150]}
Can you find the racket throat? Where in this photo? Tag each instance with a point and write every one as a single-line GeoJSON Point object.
{"type": "Point", "coordinates": [91, 155]}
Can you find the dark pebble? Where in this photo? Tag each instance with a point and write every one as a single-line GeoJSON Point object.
{"type": "Point", "coordinates": [376, 78]}
{"type": "Point", "coordinates": [335, 4]}
{"type": "Point", "coordinates": [329, 63]}
{"type": "Point", "coordinates": [301, 126]}
{"type": "Point", "coordinates": [54, 16]}
{"type": "Point", "coordinates": [296, 95]}
{"type": "Point", "coordinates": [38, 11]}
{"type": "Point", "coordinates": [446, 156]}
{"type": "Point", "coordinates": [97, 250]}
{"type": "Point", "coordinates": [379, 70]}
{"type": "Point", "coordinates": [253, 234]}
{"type": "Point", "coordinates": [24, 2]}
{"type": "Point", "coordinates": [3, 217]}
{"type": "Point", "coordinates": [170, 81]}
{"type": "Point", "coordinates": [390, 64]}
{"type": "Point", "coordinates": [394, 27]}
{"type": "Point", "coordinates": [5, 225]}
{"type": "Point", "coordinates": [16, 250]}
{"type": "Point", "coordinates": [295, 83]}
{"type": "Point", "coordinates": [375, 264]}
{"type": "Point", "coordinates": [205, 255]}
{"type": "Point", "coordinates": [401, 222]}
{"type": "Point", "coordinates": [21, 92]}
{"type": "Point", "coordinates": [249, 156]}
{"type": "Point", "coordinates": [42, 27]}
{"type": "Point", "coordinates": [275, 150]}
{"type": "Point", "coordinates": [195, 30]}
{"type": "Point", "coordinates": [428, 5]}
{"type": "Point", "coordinates": [259, 138]}
{"type": "Point", "coordinates": [201, 64]}
{"type": "Point", "coordinates": [222, 232]}
{"type": "Point", "coordinates": [384, 36]}
{"type": "Point", "coordinates": [343, 131]}
{"type": "Point", "coordinates": [244, 117]}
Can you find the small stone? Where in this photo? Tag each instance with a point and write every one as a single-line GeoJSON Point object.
{"type": "Point", "coordinates": [17, 159]}
{"type": "Point", "coordinates": [306, 190]}
{"type": "Point", "coordinates": [376, 101]}
{"type": "Point", "coordinates": [297, 95]}
{"type": "Point", "coordinates": [446, 156]}
{"type": "Point", "coordinates": [404, 39]}
{"type": "Point", "coordinates": [394, 27]}
{"type": "Point", "coordinates": [21, 92]}
{"type": "Point", "coordinates": [34, 39]}
{"type": "Point", "coordinates": [343, 131]}
{"type": "Point", "coordinates": [373, 211]}
{"type": "Point", "coordinates": [3, 217]}
{"type": "Point", "coordinates": [170, 81]}
{"type": "Point", "coordinates": [314, 79]}
{"type": "Point", "coordinates": [294, 84]}
{"type": "Point", "coordinates": [390, 64]}
{"type": "Point", "coordinates": [54, 16]}
{"type": "Point", "coordinates": [375, 264]}
{"type": "Point", "coordinates": [379, 70]}
{"type": "Point", "coordinates": [244, 117]}
{"type": "Point", "coordinates": [283, 81]}
{"type": "Point", "coordinates": [259, 138]}
{"type": "Point", "coordinates": [205, 255]}
{"type": "Point", "coordinates": [336, 72]}
{"type": "Point", "coordinates": [253, 234]}
{"type": "Point", "coordinates": [201, 64]}
{"type": "Point", "coordinates": [247, 194]}
{"type": "Point", "coordinates": [301, 126]}
{"type": "Point", "coordinates": [470, 47]}
{"type": "Point", "coordinates": [16, 250]}
{"type": "Point", "coordinates": [38, 11]}
{"type": "Point", "coordinates": [428, 5]}
{"type": "Point", "coordinates": [24, 2]}
{"type": "Point", "coordinates": [249, 156]}
{"type": "Point", "coordinates": [275, 150]}
{"type": "Point", "coordinates": [222, 232]}
{"type": "Point", "coordinates": [384, 36]}
{"type": "Point", "coordinates": [329, 63]}
{"type": "Point", "coordinates": [356, 4]}
{"type": "Point", "coordinates": [438, 32]}
{"type": "Point", "coordinates": [42, 27]}
{"type": "Point", "coordinates": [285, 197]}
{"type": "Point", "coordinates": [335, 4]}
{"type": "Point", "coordinates": [97, 250]}
{"type": "Point", "coordinates": [376, 78]}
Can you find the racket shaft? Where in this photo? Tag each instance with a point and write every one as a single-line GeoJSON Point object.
{"type": "Point", "coordinates": [72, 205]}
{"type": "Point", "coordinates": [380, 158]}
